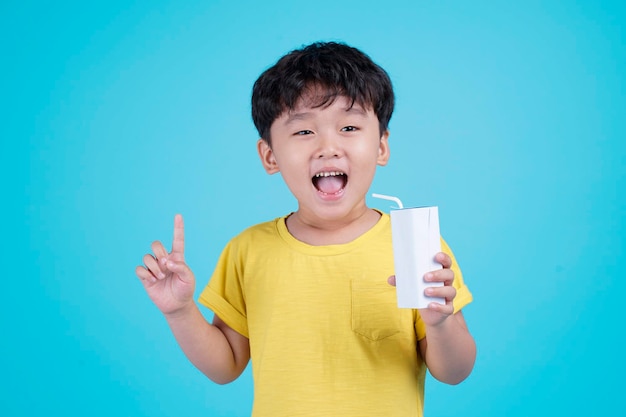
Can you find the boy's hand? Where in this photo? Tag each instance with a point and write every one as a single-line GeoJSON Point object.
{"type": "Point", "coordinates": [437, 313]}
{"type": "Point", "coordinates": [166, 277]}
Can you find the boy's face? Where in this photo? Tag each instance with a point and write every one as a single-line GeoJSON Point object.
{"type": "Point", "coordinates": [327, 156]}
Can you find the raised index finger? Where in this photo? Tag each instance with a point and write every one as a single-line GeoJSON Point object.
{"type": "Point", "coordinates": [178, 245]}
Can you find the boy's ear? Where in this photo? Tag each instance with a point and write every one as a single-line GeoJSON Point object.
{"type": "Point", "coordinates": [383, 149]}
{"type": "Point", "coordinates": [267, 156]}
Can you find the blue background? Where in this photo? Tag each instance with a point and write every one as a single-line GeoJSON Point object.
{"type": "Point", "coordinates": [117, 115]}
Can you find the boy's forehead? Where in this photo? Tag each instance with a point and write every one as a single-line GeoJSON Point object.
{"type": "Point", "coordinates": [323, 100]}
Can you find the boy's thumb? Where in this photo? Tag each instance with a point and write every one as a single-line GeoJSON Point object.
{"type": "Point", "coordinates": [180, 268]}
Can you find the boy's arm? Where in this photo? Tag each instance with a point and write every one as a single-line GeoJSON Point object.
{"type": "Point", "coordinates": [448, 349]}
{"type": "Point", "coordinates": [215, 349]}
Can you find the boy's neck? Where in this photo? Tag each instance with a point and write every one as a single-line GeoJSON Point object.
{"type": "Point", "coordinates": [321, 233]}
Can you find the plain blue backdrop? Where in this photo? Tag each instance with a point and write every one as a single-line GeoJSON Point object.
{"type": "Point", "coordinates": [116, 115]}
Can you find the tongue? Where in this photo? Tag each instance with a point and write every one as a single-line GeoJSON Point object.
{"type": "Point", "coordinates": [330, 185]}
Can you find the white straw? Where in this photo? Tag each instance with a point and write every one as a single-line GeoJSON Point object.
{"type": "Point", "coordinates": [390, 198]}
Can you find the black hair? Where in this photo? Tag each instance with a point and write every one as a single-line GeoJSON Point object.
{"type": "Point", "coordinates": [334, 68]}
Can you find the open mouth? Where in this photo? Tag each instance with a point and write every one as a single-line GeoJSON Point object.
{"type": "Point", "coordinates": [330, 182]}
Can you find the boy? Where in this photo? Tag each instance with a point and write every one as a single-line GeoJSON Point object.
{"type": "Point", "coordinates": [306, 296]}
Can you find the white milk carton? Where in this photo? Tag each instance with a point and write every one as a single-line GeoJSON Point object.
{"type": "Point", "coordinates": [416, 240]}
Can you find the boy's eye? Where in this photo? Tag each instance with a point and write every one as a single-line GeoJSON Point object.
{"type": "Point", "coordinates": [303, 132]}
{"type": "Point", "coordinates": [349, 129]}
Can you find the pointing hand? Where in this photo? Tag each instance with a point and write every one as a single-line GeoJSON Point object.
{"type": "Point", "coordinates": [166, 277]}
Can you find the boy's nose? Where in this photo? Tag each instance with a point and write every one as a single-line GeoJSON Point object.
{"type": "Point", "coordinates": [329, 147]}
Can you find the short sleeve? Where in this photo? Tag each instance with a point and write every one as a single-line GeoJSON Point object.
{"type": "Point", "coordinates": [463, 295]}
{"type": "Point", "coordinates": [224, 293]}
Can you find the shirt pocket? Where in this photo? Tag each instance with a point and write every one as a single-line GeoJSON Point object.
{"type": "Point", "coordinates": [375, 314]}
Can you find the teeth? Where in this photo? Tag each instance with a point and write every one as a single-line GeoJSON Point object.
{"type": "Point", "coordinates": [328, 174]}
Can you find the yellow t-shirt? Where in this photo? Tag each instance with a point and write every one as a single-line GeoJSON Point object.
{"type": "Point", "coordinates": [326, 335]}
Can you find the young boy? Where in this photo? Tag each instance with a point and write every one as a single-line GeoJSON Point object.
{"type": "Point", "coordinates": [309, 296]}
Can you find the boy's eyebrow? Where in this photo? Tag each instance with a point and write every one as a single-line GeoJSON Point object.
{"type": "Point", "coordinates": [295, 116]}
